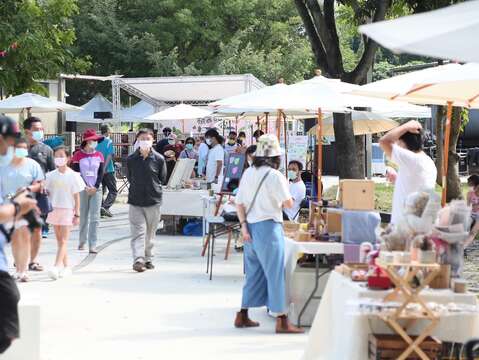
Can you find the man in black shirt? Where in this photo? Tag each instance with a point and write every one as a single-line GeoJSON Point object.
{"type": "Point", "coordinates": [146, 174]}
{"type": "Point", "coordinates": [43, 155]}
{"type": "Point", "coordinates": [163, 142]}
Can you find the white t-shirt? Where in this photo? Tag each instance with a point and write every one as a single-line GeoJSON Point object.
{"type": "Point", "coordinates": [269, 201]}
{"type": "Point", "coordinates": [215, 154]}
{"type": "Point", "coordinates": [417, 172]}
{"type": "Point", "coordinates": [298, 192]}
{"type": "Point", "coordinates": [62, 187]}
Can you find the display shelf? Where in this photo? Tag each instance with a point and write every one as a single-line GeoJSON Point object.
{"type": "Point", "coordinates": [404, 293]}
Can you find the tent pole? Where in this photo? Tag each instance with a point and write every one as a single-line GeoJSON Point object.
{"type": "Point", "coordinates": [278, 124]}
{"type": "Point", "coordinates": [267, 121]}
{"type": "Point", "coordinates": [285, 135]}
{"type": "Point", "coordinates": [445, 150]}
{"type": "Point", "coordinates": [319, 137]}
{"type": "Point", "coordinates": [236, 123]}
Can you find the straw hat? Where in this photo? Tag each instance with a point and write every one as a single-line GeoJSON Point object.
{"type": "Point", "coordinates": [268, 146]}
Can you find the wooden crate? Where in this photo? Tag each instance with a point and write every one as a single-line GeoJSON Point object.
{"type": "Point", "coordinates": [356, 194]}
{"type": "Point", "coordinates": [390, 347]}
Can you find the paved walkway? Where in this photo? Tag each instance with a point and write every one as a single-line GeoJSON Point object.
{"type": "Point", "coordinates": [106, 311]}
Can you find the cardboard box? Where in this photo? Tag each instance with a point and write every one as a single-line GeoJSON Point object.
{"type": "Point", "coordinates": [334, 222]}
{"type": "Point", "coordinates": [356, 194]}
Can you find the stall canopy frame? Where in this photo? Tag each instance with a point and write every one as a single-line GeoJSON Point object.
{"type": "Point", "coordinates": [193, 90]}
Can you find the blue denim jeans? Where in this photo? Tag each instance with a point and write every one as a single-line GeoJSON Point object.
{"type": "Point", "coordinates": [89, 217]}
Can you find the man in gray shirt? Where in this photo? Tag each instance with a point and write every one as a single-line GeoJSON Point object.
{"type": "Point", "coordinates": [43, 155]}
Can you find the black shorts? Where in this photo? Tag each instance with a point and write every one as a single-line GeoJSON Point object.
{"type": "Point", "coordinates": [9, 297]}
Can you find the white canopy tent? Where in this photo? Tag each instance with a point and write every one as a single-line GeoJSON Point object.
{"type": "Point", "coordinates": [194, 90]}
{"type": "Point", "coordinates": [34, 103]}
{"type": "Point", "coordinates": [448, 33]}
{"type": "Point", "coordinates": [98, 104]}
{"type": "Point", "coordinates": [138, 113]}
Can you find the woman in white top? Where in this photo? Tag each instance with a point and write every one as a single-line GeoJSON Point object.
{"type": "Point", "coordinates": [262, 195]}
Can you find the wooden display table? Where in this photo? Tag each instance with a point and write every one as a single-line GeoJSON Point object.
{"type": "Point", "coordinates": [407, 295]}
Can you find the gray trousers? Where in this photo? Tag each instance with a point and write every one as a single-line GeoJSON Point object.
{"type": "Point", "coordinates": [143, 224]}
{"type": "Point", "coordinates": [89, 217]}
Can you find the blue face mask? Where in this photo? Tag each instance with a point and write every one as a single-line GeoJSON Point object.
{"type": "Point", "coordinates": [292, 175]}
{"type": "Point", "coordinates": [189, 146]}
{"type": "Point", "coordinates": [8, 157]}
{"type": "Point", "coordinates": [21, 153]}
{"type": "Point", "coordinates": [37, 135]}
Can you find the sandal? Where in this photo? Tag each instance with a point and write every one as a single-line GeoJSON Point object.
{"type": "Point", "coordinates": [34, 266]}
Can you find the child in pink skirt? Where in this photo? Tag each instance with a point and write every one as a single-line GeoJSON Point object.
{"type": "Point", "coordinates": [64, 186]}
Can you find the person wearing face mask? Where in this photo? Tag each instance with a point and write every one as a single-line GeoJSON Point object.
{"type": "Point", "coordinates": [90, 163]}
{"type": "Point", "coordinates": [263, 192]}
{"type": "Point", "coordinates": [109, 180]}
{"type": "Point", "coordinates": [189, 152]}
{"type": "Point", "coordinates": [297, 188]}
{"type": "Point", "coordinates": [241, 138]}
{"type": "Point", "coordinates": [250, 150]}
{"type": "Point", "coordinates": [173, 145]}
{"type": "Point", "coordinates": [417, 171]}
{"type": "Point", "coordinates": [147, 175]}
{"type": "Point", "coordinates": [63, 186]}
{"type": "Point", "coordinates": [43, 155]}
{"type": "Point", "coordinates": [231, 145]}
{"type": "Point", "coordinates": [216, 156]}
{"type": "Point", "coordinates": [257, 134]}
{"type": "Point", "coordinates": [9, 294]}
{"type": "Point", "coordinates": [163, 142]}
{"type": "Point", "coordinates": [22, 173]}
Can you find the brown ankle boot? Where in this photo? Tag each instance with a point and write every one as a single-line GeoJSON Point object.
{"type": "Point", "coordinates": [243, 321]}
{"type": "Point", "coordinates": [283, 326]}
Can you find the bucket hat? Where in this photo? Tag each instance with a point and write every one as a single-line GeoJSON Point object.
{"type": "Point", "coordinates": [268, 146]}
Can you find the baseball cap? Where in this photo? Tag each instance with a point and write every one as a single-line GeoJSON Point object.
{"type": "Point", "coordinates": [8, 126]}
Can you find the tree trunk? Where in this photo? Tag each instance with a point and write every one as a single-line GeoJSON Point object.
{"type": "Point", "coordinates": [439, 133]}
{"type": "Point", "coordinates": [361, 154]}
{"type": "Point", "coordinates": [454, 190]}
{"type": "Point", "coordinates": [348, 164]}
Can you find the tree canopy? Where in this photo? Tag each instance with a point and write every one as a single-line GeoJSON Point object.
{"type": "Point", "coordinates": [35, 40]}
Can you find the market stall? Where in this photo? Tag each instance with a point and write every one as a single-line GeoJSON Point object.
{"type": "Point", "coordinates": [338, 319]}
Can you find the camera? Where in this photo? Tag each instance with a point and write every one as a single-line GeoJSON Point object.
{"type": "Point", "coordinates": [32, 217]}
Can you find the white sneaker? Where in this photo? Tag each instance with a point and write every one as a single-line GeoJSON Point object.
{"type": "Point", "coordinates": [54, 273]}
{"type": "Point", "coordinates": [66, 272]}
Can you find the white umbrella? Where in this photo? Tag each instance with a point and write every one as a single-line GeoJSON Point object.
{"type": "Point", "coordinates": [364, 122]}
{"type": "Point", "coordinates": [342, 90]}
{"type": "Point", "coordinates": [450, 85]}
{"type": "Point", "coordinates": [96, 105]}
{"type": "Point", "coordinates": [448, 33]}
{"type": "Point", "coordinates": [34, 103]}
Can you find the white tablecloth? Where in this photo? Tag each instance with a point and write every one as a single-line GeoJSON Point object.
{"type": "Point", "coordinates": [184, 202]}
{"type": "Point", "coordinates": [337, 333]}
{"type": "Point", "coordinates": [292, 249]}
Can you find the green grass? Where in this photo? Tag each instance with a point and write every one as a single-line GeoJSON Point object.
{"type": "Point", "coordinates": [383, 195]}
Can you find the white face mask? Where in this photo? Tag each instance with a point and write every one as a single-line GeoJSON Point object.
{"type": "Point", "coordinates": [171, 142]}
{"type": "Point", "coordinates": [145, 144]}
{"type": "Point", "coordinates": [208, 141]}
{"type": "Point", "coordinates": [60, 161]}
{"type": "Point", "coordinates": [93, 145]}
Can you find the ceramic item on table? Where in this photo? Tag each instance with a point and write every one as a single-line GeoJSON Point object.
{"type": "Point", "coordinates": [459, 286]}
{"type": "Point", "coordinates": [427, 256]}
